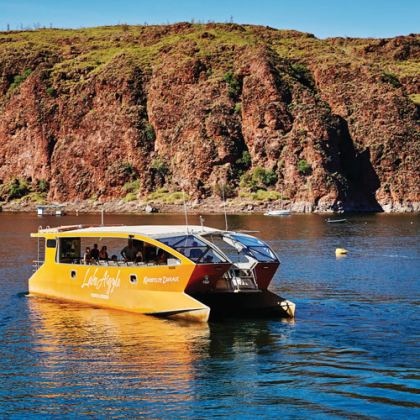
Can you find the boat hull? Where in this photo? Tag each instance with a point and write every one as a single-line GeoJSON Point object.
{"type": "Point", "coordinates": [258, 303]}
{"type": "Point", "coordinates": [158, 291]}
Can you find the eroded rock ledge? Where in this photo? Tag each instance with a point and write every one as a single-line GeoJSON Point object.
{"type": "Point", "coordinates": [122, 113]}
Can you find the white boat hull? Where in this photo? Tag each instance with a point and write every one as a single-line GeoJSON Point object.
{"type": "Point", "coordinates": [277, 213]}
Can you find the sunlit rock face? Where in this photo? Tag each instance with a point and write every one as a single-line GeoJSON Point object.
{"type": "Point", "coordinates": [195, 106]}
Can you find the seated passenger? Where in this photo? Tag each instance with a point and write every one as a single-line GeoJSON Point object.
{"type": "Point", "coordinates": [129, 252]}
{"type": "Point", "coordinates": [162, 257]}
{"type": "Point", "coordinates": [195, 253]}
{"type": "Point", "coordinates": [139, 257]}
{"type": "Point", "coordinates": [208, 259]}
{"type": "Point", "coordinates": [114, 258]}
{"type": "Point", "coordinates": [103, 254]}
{"type": "Point", "coordinates": [94, 253]}
{"type": "Point", "coordinates": [87, 257]}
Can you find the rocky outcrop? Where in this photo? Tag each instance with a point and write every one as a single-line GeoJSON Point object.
{"type": "Point", "coordinates": [102, 113]}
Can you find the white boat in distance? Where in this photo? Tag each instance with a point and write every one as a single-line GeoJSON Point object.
{"type": "Point", "coordinates": [277, 213]}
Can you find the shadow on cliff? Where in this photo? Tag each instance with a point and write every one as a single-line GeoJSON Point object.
{"type": "Point", "coordinates": [357, 179]}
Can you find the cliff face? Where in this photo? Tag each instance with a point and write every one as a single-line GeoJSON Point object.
{"type": "Point", "coordinates": [90, 113]}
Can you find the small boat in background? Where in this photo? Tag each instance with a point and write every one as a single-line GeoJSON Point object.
{"type": "Point", "coordinates": [336, 220]}
{"type": "Point", "coordinates": [52, 209]}
{"type": "Point", "coordinates": [277, 213]}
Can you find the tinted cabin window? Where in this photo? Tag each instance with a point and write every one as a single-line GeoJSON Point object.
{"type": "Point", "coordinates": [256, 248]}
{"type": "Point", "coordinates": [121, 252]}
{"type": "Point", "coordinates": [194, 249]}
{"type": "Point", "coordinates": [51, 243]}
{"type": "Point", "coordinates": [69, 250]}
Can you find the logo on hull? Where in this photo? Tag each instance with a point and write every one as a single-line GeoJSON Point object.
{"type": "Point", "coordinates": [105, 284]}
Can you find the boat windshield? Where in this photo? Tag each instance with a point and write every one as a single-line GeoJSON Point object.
{"type": "Point", "coordinates": [253, 246]}
{"type": "Point", "coordinates": [194, 249]}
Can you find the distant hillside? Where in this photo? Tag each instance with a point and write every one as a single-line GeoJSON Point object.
{"type": "Point", "coordinates": [263, 114]}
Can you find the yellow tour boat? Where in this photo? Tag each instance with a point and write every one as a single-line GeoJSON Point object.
{"type": "Point", "coordinates": [183, 271]}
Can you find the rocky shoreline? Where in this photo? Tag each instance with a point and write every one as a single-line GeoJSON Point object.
{"type": "Point", "coordinates": [208, 206]}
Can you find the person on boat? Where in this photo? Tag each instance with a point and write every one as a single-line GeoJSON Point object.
{"type": "Point", "coordinates": [129, 252]}
{"type": "Point", "coordinates": [94, 252]}
{"type": "Point", "coordinates": [87, 257]}
{"type": "Point", "coordinates": [195, 252]}
{"type": "Point", "coordinates": [162, 257]}
{"type": "Point", "coordinates": [103, 254]}
{"type": "Point", "coordinates": [139, 257]}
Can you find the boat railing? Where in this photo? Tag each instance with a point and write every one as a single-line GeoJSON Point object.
{"type": "Point", "coordinates": [36, 264]}
{"type": "Point", "coordinates": [241, 279]}
{"type": "Point", "coordinates": [111, 263]}
{"type": "Point", "coordinates": [59, 229]}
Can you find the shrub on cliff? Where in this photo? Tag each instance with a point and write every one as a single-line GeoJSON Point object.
{"type": "Point", "coordinates": [127, 170]}
{"type": "Point", "coordinates": [160, 171]}
{"type": "Point", "coordinates": [391, 79]}
{"type": "Point", "coordinates": [19, 78]}
{"type": "Point", "coordinates": [258, 178]}
{"type": "Point", "coordinates": [234, 84]}
{"type": "Point", "coordinates": [42, 186]}
{"type": "Point", "coordinates": [261, 195]}
{"type": "Point", "coordinates": [304, 168]}
{"type": "Point", "coordinates": [242, 164]}
{"type": "Point", "coordinates": [301, 72]}
{"type": "Point", "coordinates": [130, 197]}
{"type": "Point", "coordinates": [150, 132]}
{"type": "Point", "coordinates": [132, 186]}
{"type": "Point", "coordinates": [17, 188]}
{"type": "Point", "coordinates": [223, 190]}
{"type": "Point", "coordinates": [162, 195]}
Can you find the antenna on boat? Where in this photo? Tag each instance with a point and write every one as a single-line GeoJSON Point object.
{"type": "Point", "coordinates": [201, 222]}
{"type": "Point", "coordinates": [102, 216]}
{"type": "Point", "coordinates": [224, 207]}
{"type": "Point", "coordinates": [185, 210]}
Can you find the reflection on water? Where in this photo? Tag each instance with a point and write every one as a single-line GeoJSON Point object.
{"type": "Point", "coordinates": [352, 350]}
{"type": "Point", "coordinates": [149, 356]}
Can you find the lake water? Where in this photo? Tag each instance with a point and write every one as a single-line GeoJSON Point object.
{"type": "Point", "coordinates": [353, 349]}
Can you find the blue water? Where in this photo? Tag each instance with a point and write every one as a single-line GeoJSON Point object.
{"type": "Point", "coordinates": [352, 351]}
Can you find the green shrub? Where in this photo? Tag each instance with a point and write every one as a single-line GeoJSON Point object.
{"type": "Point", "coordinates": [234, 84]}
{"type": "Point", "coordinates": [17, 188]}
{"type": "Point", "coordinates": [164, 196]}
{"type": "Point", "coordinates": [243, 163]}
{"type": "Point", "coordinates": [130, 197]}
{"type": "Point", "coordinates": [415, 97]}
{"type": "Point", "coordinates": [38, 197]}
{"type": "Point", "coordinates": [224, 190]}
{"type": "Point", "coordinates": [150, 132]}
{"type": "Point", "coordinates": [160, 167]}
{"type": "Point", "coordinates": [42, 186]}
{"type": "Point", "coordinates": [259, 178]}
{"type": "Point", "coordinates": [301, 72]}
{"type": "Point", "coordinates": [19, 78]}
{"type": "Point", "coordinates": [51, 92]}
{"type": "Point", "coordinates": [262, 195]}
{"type": "Point", "coordinates": [391, 78]}
{"type": "Point", "coordinates": [304, 167]}
{"type": "Point", "coordinates": [238, 108]}
{"type": "Point", "coordinates": [128, 170]}
{"type": "Point", "coordinates": [132, 186]}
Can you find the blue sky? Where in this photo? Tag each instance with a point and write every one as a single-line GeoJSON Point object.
{"type": "Point", "coordinates": [362, 18]}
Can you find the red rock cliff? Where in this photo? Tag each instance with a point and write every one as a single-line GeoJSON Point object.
{"type": "Point", "coordinates": [85, 112]}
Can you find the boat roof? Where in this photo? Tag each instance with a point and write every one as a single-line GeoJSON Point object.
{"type": "Point", "coordinates": [153, 231]}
